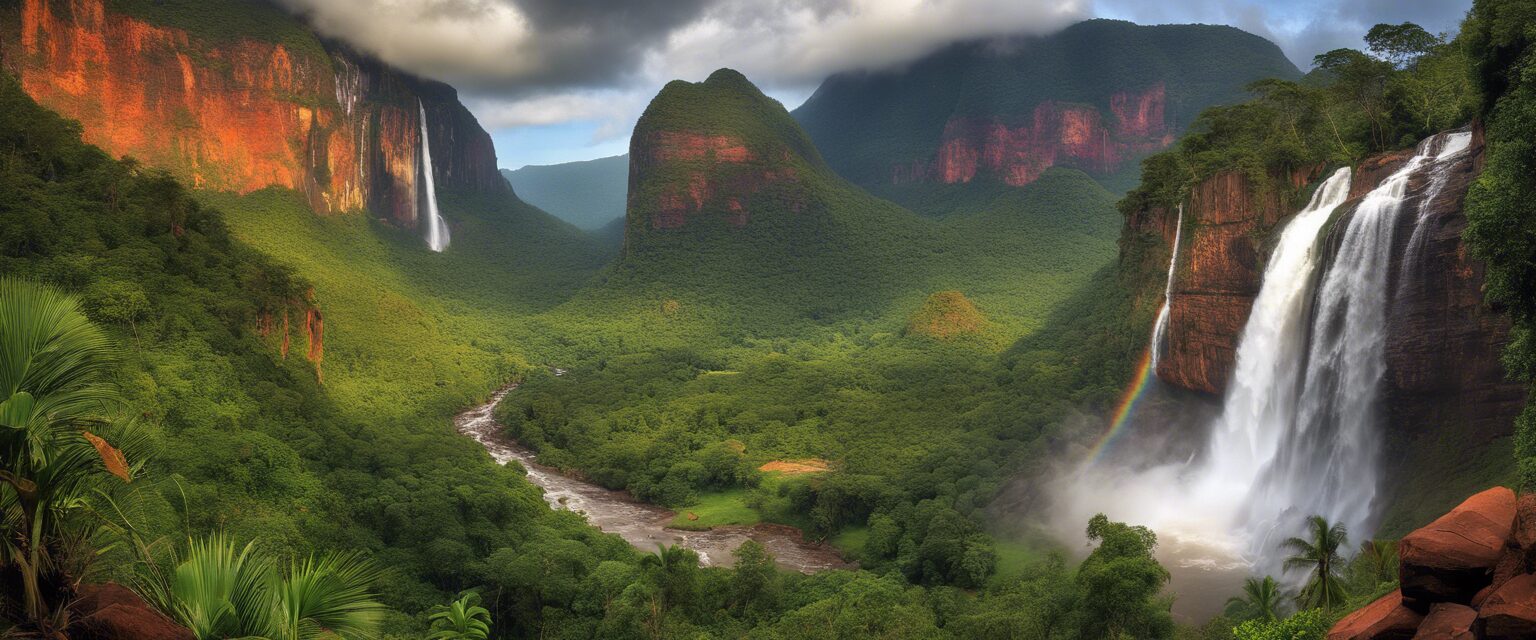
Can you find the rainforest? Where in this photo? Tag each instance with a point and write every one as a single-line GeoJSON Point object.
{"type": "Point", "coordinates": [716, 319]}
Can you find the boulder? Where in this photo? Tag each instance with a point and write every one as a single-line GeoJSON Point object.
{"type": "Point", "coordinates": [1510, 612]}
{"type": "Point", "coordinates": [1447, 621]}
{"type": "Point", "coordinates": [1511, 563]}
{"type": "Point", "coordinates": [1384, 619]}
{"type": "Point", "coordinates": [113, 612]}
{"type": "Point", "coordinates": [1453, 558]}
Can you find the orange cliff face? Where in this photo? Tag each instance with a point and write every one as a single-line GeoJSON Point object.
{"type": "Point", "coordinates": [244, 115]}
{"type": "Point", "coordinates": [699, 173]}
{"type": "Point", "coordinates": [1072, 135]}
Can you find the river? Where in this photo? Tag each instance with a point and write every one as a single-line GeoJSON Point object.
{"type": "Point", "coordinates": [642, 525]}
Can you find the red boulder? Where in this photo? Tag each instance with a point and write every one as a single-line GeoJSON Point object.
{"type": "Point", "coordinates": [112, 612]}
{"type": "Point", "coordinates": [1384, 619]}
{"type": "Point", "coordinates": [1447, 621]}
{"type": "Point", "coordinates": [1510, 612]}
{"type": "Point", "coordinates": [1453, 558]}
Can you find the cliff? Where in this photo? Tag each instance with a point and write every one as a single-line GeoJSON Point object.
{"type": "Point", "coordinates": [245, 112]}
{"type": "Point", "coordinates": [1097, 96]}
{"type": "Point", "coordinates": [714, 153]}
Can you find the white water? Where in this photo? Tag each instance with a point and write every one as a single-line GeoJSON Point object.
{"type": "Point", "coordinates": [437, 230]}
{"type": "Point", "coordinates": [1452, 146]}
{"type": "Point", "coordinates": [1160, 330]}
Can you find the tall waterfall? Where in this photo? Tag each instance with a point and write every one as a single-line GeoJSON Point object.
{"type": "Point", "coordinates": [1299, 433]}
{"type": "Point", "coordinates": [437, 230]}
{"type": "Point", "coordinates": [1160, 330]}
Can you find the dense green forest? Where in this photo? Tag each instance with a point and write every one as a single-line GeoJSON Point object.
{"type": "Point", "coordinates": [589, 194]}
{"type": "Point", "coordinates": [263, 376]}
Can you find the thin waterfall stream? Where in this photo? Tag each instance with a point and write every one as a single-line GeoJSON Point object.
{"type": "Point", "coordinates": [437, 230]}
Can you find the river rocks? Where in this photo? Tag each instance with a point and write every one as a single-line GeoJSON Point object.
{"type": "Point", "coordinates": [112, 612]}
{"type": "Point", "coordinates": [1384, 619]}
{"type": "Point", "coordinates": [1454, 557]}
{"type": "Point", "coordinates": [1447, 621]}
{"type": "Point", "coordinates": [1510, 612]}
{"type": "Point", "coordinates": [1467, 570]}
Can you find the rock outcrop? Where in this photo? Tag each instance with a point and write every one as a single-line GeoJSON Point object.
{"type": "Point", "coordinates": [1097, 139]}
{"type": "Point", "coordinates": [1443, 341]}
{"type": "Point", "coordinates": [1454, 557]}
{"type": "Point", "coordinates": [1466, 575]}
{"type": "Point", "coordinates": [1384, 619]}
{"type": "Point", "coordinates": [112, 612]}
{"type": "Point", "coordinates": [712, 153]}
{"type": "Point", "coordinates": [245, 114]}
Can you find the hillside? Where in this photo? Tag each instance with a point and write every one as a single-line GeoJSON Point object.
{"type": "Point", "coordinates": [1097, 96]}
{"type": "Point", "coordinates": [588, 194]}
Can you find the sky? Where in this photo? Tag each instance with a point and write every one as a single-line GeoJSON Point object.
{"type": "Point", "coordinates": [563, 80]}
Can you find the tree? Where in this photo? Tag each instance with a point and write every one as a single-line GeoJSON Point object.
{"type": "Point", "coordinates": [1319, 553]}
{"type": "Point", "coordinates": [1119, 584]}
{"type": "Point", "coordinates": [1380, 560]}
{"type": "Point", "coordinates": [219, 592]}
{"type": "Point", "coordinates": [53, 367]}
{"type": "Point", "coordinates": [1400, 44]}
{"type": "Point", "coordinates": [1260, 601]}
{"type": "Point", "coordinates": [755, 584]}
{"type": "Point", "coordinates": [1306, 625]}
{"type": "Point", "coordinates": [464, 619]}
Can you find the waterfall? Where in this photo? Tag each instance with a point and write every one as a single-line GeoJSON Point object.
{"type": "Point", "coordinates": [1451, 147]}
{"type": "Point", "coordinates": [1327, 460]}
{"type": "Point", "coordinates": [1160, 330]}
{"type": "Point", "coordinates": [437, 230]}
{"type": "Point", "coordinates": [1299, 433]}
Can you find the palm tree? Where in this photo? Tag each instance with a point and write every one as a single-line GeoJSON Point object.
{"type": "Point", "coordinates": [1319, 553]}
{"type": "Point", "coordinates": [53, 367]}
{"type": "Point", "coordinates": [465, 619]}
{"type": "Point", "coordinates": [219, 592]}
{"type": "Point", "coordinates": [1260, 601]}
{"type": "Point", "coordinates": [1380, 558]}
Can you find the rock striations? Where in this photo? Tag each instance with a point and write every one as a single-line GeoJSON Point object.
{"type": "Point", "coordinates": [245, 113]}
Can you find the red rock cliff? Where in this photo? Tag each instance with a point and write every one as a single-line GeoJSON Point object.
{"type": "Point", "coordinates": [1082, 136]}
{"type": "Point", "coordinates": [1443, 342]}
{"type": "Point", "coordinates": [680, 176]}
{"type": "Point", "coordinates": [246, 114]}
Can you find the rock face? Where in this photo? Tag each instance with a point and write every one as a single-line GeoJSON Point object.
{"type": "Point", "coordinates": [1447, 621]}
{"type": "Point", "coordinates": [1468, 571]}
{"type": "Point", "coordinates": [1079, 136]}
{"type": "Point", "coordinates": [1454, 557]}
{"type": "Point", "coordinates": [1096, 96]}
{"type": "Point", "coordinates": [244, 114]}
{"type": "Point", "coordinates": [1443, 342]}
{"type": "Point", "coordinates": [714, 153]}
{"type": "Point", "coordinates": [1384, 619]}
{"type": "Point", "coordinates": [112, 612]}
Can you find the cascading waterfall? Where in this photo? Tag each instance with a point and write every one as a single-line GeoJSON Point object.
{"type": "Point", "coordinates": [1327, 460]}
{"type": "Point", "coordinates": [1451, 146]}
{"type": "Point", "coordinates": [1160, 330]}
{"type": "Point", "coordinates": [437, 230]}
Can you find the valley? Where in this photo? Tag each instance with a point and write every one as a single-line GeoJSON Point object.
{"type": "Point", "coordinates": [1108, 331]}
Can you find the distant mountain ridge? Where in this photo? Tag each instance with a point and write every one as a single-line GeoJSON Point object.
{"type": "Point", "coordinates": [588, 194]}
{"type": "Point", "coordinates": [1096, 96]}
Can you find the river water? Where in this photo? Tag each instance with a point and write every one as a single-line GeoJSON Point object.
{"type": "Point", "coordinates": [642, 525]}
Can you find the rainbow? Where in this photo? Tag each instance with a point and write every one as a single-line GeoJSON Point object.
{"type": "Point", "coordinates": [1133, 395]}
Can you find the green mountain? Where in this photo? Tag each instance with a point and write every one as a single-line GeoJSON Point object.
{"type": "Point", "coordinates": [588, 194]}
{"type": "Point", "coordinates": [1097, 96]}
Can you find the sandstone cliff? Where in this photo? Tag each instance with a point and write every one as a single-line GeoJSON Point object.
{"type": "Point", "coordinates": [242, 114]}
{"type": "Point", "coordinates": [714, 152]}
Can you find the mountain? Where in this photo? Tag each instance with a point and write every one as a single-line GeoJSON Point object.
{"type": "Point", "coordinates": [1096, 96]}
{"type": "Point", "coordinates": [731, 203]}
{"type": "Point", "coordinates": [240, 96]}
{"type": "Point", "coordinates": [588, 194]}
